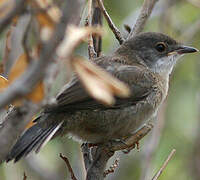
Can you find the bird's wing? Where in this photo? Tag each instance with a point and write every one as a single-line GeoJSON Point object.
{"type": "Point", "coordinates": [74, 97]}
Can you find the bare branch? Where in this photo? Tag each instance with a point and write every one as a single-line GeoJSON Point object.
{"type": "Point", "coordinates": [12, 126]}
{"type": "Point", "coordinates": [15, 122]}
{"type": "Point", "coordinates": [25, 38]}
{"type": "Point", "coordinates": [97, 21]}
{"type": "Point", "coordinates": [91, 51]}
{"type": "Point", "coordinates": [157, 175]}
{"type": "Point", "coordinates": [145, 12]}
{"type": "Point", "coordinates": [73, 177]}
{"type": "Point", "coordinates": [99, 158]}
{"type": "Point", "coordinates": [17, 9]}
{"type": "Point", "coordinates": [35, 72]}
{"type": "Point", "coordinates": [96, 158]}
{"type": "Point", "coordinates": [110, 23]}
{"type": "Point", "coordinates": [25, 177]}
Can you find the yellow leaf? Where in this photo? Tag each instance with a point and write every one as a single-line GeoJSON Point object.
{"type": "Point", "coordinates": [37, 94]}
{"type": "Point", "coordinates": [5, 7]}
{"type": "Point", "coordinates": [44, 20]}
{"type": "Point", "coordinates": [18, 68]}
{"type": "Point", "coordinates": [3, 83]}
{"type": "Point", "coordinates": [51, 15]}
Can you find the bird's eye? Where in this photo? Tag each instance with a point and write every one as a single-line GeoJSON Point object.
{"type": "Point", "coordinates": [160, 47]}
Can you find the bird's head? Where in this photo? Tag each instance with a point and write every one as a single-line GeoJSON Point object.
{"type": "Point", "coordinates": [157, 51]}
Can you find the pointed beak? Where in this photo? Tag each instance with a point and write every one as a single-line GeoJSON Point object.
{"type": "Point", "coordinates": [185, 49]}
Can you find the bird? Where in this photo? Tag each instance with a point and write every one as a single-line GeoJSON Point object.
{"type": "Point", "coordinates": [143, 62]}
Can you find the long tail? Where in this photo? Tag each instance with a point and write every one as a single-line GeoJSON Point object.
{"type": "Point", "coordinates": [33, 139]}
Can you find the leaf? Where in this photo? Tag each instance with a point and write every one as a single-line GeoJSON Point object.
{"type": "Point", "coordinates": [37, 94]}
{"type": "Point", "coordinates": [5, 7]}
{"type": "Point", "coordinates": [18, 68]}
{"type": "Point", "coordinates": [3, 83]}
{"type": "Point", "coordinates": [99, 83]}
{"type": "Point", "coordinates": [73, 37]}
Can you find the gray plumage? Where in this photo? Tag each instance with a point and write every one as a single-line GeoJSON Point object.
{"type": "Point", "coordinates": [142, 65]}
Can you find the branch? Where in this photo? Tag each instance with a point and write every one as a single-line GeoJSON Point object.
{"type": "Point", "coordinates": [95, 162]}
{"type": "Point", "coordinates": [96, 158]}
{"type": "Point", "coordinates": [15, 122]}
{"type": "Point", "coordinates": [25, 177]}
{"type": "Point", "coordinates": [13, 125]}
{"type": "Point", "coordinates": [35, 72]}
{"type": "Point", "coordinates": [73, 177]}
{"type": "Point", "coordinates": [91, 51]}
{"type": "Point", "coordinates": [17, 10]}
{"type": "Point", "coordinates": [145, 12]}
{"type": "Point", "coordinates": [157, 175]}
{"type": "Point", "coordinates": [110, 23]}
{"type": "Point", "coordinates": [97, 21]}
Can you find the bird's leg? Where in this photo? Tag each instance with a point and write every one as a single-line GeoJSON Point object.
{"type": "Point", "coordinates": [128, 143]}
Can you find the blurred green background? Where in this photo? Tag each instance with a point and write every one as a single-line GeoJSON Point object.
{"type": "Point", "coordinates": [178, 124]}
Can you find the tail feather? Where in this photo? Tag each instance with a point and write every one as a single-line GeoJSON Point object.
{"type": "Point", "coordinates": [33, 139]}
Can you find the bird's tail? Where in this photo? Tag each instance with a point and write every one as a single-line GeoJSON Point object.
{"type": "Point", "coordinates": [33, 139]}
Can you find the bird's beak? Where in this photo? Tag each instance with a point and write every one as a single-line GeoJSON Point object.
{"type": "Point", "coordinates": [185, 49]}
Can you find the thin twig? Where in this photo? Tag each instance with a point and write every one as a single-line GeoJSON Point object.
{"type": "Point", "coordinates": [145, 12]}
{"type": "Point", "coordinates": [25, 38]}
{"type": "Point", "coordinates": [91, 51]}
{"type": "Point", "coordinates": [157, 175]}
{"type": "Point", "coordinates": [110, 23]}
{"type": "Point", "coordinates": [97, 21]}
{"type": "Point", "coordinates": [73, 177]}
{"type": "Point", "coordinates": [25, 177]}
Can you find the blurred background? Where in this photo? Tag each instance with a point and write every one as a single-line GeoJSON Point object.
{"type": "Point", "coordinates": [178, 123]}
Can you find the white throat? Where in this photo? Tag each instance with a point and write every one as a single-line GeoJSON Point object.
{"type": "Point", "coordinates": [165, 65]}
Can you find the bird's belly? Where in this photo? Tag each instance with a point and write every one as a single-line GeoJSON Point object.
{"type": "Point", "coordinates": [100, 126]}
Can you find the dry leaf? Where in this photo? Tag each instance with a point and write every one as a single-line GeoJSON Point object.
{"type": "Point", "coordinates": [99, 83]}
{"type": "Point", "coordinates": [53, 12]}
{"type": "Point", "coordinates": [74, 36]}
{"type": "Point", "coordinates": [37, 94]}
{"type": "Point", "coordinates": [3, 83]}
{"type": "Point", "coordinates": [18, 68]}
{"type": "Point", "coordinates": [5, 7]}
{"type": "Point", "coordinates": [48, 18]}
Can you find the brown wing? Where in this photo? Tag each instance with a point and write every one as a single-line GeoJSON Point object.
{"type": "Point", "coordinates": [74, 97]}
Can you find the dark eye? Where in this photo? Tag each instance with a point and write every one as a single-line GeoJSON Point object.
{"type": "Point", "coordinates": [160, 47]}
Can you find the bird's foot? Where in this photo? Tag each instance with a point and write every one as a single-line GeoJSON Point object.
{"type": "Point", "coordinates": [128, 150]}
